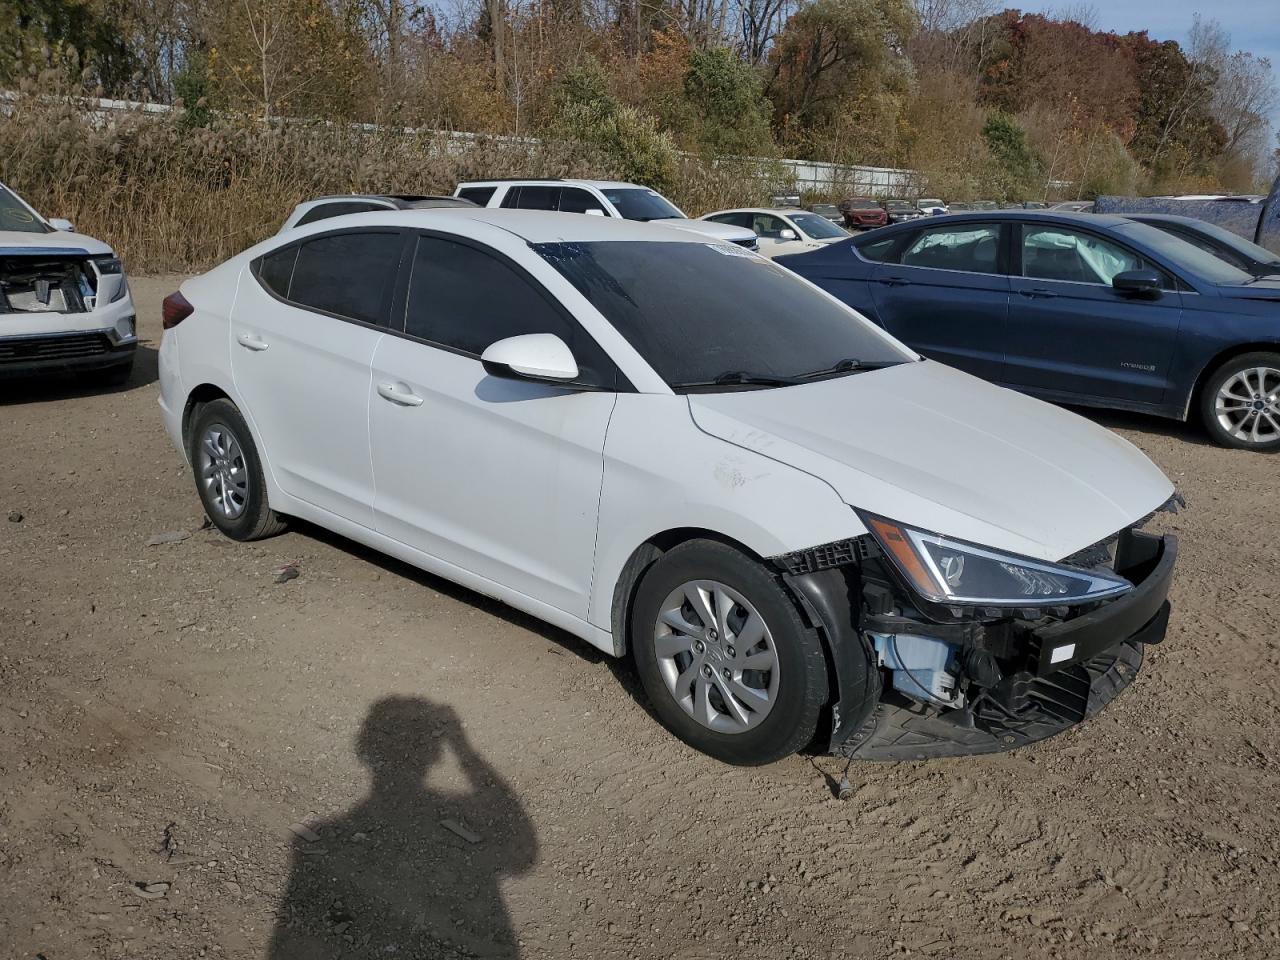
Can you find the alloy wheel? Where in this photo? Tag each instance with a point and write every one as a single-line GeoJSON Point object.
{"type": "Point", "coordinates": [1248, 405]}
{"type": "Point", "coordinates": [221, 468]}
{"type": "Point", "coordinates": [716, 656]}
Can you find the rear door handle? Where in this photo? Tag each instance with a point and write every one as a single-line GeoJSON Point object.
{"type": "Point", "coordinates": [1038, 293]}
{"type": "Point", "coordinates": [252, 341]}
{"type": "Point", "coordinates": [893, 281]}
{"type": "Point", "coordinates": [399, 393]}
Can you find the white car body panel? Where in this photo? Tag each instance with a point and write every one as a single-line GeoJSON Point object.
{"type": "Point", "coordinates": [538, 495]}
{"type": "Point", "coordinates": [928, 445]}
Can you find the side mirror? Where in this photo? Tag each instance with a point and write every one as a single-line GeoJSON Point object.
{"type": "Point", "coordinates": [60, 224]}
{"type": "Point", "coordinates": [786, 233]}
{"type": "Point", "coordinates": [531, 356]}
{"type": "Point", "coordinates": [594, 212]}
{"type": "Point", "coordinates": [1143, 283]}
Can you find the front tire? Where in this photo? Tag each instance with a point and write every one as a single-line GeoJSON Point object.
{"type": "Point", "coordinates": [1240, 403]}
{"type": "Point", "coordinates": [725, 658]}
{"type": "Point", "coordinates": [228, 473]}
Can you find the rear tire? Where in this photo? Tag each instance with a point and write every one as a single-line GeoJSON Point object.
{"type": "Point", "coordinates": [1240, 403]}
{"type": "Point", "coordinates": [744, 680]}
{"type": "Point", "coordinates": [228, 473]}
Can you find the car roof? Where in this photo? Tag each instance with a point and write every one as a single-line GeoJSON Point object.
{"type": "Point", "coordinates": [534, 226]}
{"type": "Point", "coordinates": [778, 211]}
{"type": "Point", "coordinates": [399, 199]}
{"type": "Point", "coordinates": [549, 181]}
{"type": "Point", "coordinates": [987, 216]}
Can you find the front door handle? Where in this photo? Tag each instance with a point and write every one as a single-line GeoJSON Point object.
{"type": "Point", "coordinates": [1038, 293]}
{"type": "Point", "coordinates": [399, 393]}
{"type": "Point", "coordinates": [251, 341]}
{"type": "Point", "coordinates": [894, 281]}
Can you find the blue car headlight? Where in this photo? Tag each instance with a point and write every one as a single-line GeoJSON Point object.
{"type": "Point", "coordinates": [955, 572]}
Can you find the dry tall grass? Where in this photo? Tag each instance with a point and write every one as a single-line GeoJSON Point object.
{"type": "Point", "coordinates": [168, 195]}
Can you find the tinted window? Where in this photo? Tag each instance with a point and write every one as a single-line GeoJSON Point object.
{"type": "Point", "coordinates": [695, 311]}
{"type": "Point", "coordinates": [734, 219]}
{"type": "Point", "coordinates": [637, 203]}
{"type": "Point", "coordinates": [275, 270]}
{"type": "Point", "coordinates": [538, 198]}
{"type": "Point", "coordinates": [573, 200]}
{"type": "Point", "coordinates": [15, 216]}
{"type": "Point", "coordinates": [348, 274]}
{"type": "Point", "coordinates": [477, 195]}
{"type": "Point", "coordinates": [512, 198]}
{"type": "Point", "coordinates": [1059, 253]}
{"type": "Point", "coordinates": [326, 210]}
{"type": "Point", "coordinates": [973, 247]}
{"type": "Point", "coordinates": [467, 299]}
{"type": "Point", "coordinates": [880, 250]}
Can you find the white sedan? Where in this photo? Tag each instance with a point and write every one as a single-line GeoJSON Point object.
{"type": "Point", "coordinates": [64, 301]}
{"type": "Point", "coordinates": [783, 230]}
{"type": "Point", "coordinates": [676, 450]}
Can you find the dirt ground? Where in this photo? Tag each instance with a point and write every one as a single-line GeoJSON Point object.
{"type": "Point", "coordinates": [199, 761]}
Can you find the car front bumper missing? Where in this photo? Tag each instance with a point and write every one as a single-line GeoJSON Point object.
{"type": "Point", "coordinates": [1052, 676]}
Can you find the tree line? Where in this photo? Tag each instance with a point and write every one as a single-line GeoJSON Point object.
{"type": "Point", "coordinates": [983, 102]}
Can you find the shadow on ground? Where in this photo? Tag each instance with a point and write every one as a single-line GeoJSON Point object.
{"type": "Point", "coordinates": [411, 871]}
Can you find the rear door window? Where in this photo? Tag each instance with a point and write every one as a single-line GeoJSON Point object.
{"type": "Point", "coordinates": [734, 219]}
{"type": "Point", "coordinates": [969, 247]}
{"type": "Point", "coordinates": [577, 200]}
{"type": "Point", "coordinates": [349, 275]}
{"type": "Point", "coordinates": [538, 198]}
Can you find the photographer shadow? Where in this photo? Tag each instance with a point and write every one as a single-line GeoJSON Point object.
{"type": "Point", "coordinates": [388, 878]}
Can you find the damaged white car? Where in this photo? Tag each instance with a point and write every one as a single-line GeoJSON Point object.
{"type": "Point", "coordinates": [64, 300]}
{"type": "Point", "coordinates": [801, 531]}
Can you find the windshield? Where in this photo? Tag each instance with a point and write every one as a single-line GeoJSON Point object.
{"type": "Point", "coordinates": [1220, 236]}
{"type": "Point", "coordinates": [1199, 263]}
{"type": "Point", "coordinates": [698, 312]}
{"type": "Point", "coordinates": [897, 205]}
{"type": "Point", "coordinates": [15, 216]}
{"type": "Point", "coordinates": [637, 203]}
{"type": "Point", "coordinates": [817, 227]}
{"type": "Point", "coordinates": [826, 209]}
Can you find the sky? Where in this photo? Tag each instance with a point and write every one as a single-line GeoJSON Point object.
{"type": "Point", "coordinates": [1254, 25]}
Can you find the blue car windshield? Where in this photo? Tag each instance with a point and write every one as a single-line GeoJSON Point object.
{"type": "Point", "coordinates": [1191, 259]}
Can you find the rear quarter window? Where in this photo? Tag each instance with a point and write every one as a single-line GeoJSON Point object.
{"type": "Point", "coordinates": [477, 195]}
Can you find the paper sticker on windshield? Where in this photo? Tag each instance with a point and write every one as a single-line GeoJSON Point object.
{"type": "Point", "coordinates": [732, 250]}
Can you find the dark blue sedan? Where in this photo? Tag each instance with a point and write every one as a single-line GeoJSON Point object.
{"type": "Point", "coordinates": [1075, 308]}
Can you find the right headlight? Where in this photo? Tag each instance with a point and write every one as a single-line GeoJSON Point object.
{"type": "Point", "coordinates": [955, 572]}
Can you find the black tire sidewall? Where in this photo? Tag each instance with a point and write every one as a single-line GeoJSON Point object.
{"type": "Point", "coordinates": [257, 510]}
{"type": "Point", "coordinates": [1208, 395]}
{"type": "Point", "coordinates": [802, 691]}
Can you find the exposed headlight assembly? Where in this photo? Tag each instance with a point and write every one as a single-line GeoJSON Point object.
{"type": "Point", "coordinates": [953, 572]}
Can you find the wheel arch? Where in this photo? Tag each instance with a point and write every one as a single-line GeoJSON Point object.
{"type": "Point", "coordinates": [1225, 355]}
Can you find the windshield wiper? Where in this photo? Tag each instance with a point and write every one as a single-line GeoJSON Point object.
{"type": "Point", "coordinates": [738, 378]}
{"type": "Point", "coordinates": [848, 365]}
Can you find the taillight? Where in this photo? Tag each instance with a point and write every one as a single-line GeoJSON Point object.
{"type": "Point", "coordinates": [175, 309]}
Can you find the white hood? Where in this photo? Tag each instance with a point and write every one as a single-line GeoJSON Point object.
{"type": "Point", "coordinates": [935, 448]}
{"type": "Point", "coordinates": [58, 242]}
{"type": "Point", "coordinates": [708, 228]}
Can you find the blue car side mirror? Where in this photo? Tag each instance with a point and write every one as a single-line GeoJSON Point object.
{"type": "Point", "coordinates": [1145, 282]}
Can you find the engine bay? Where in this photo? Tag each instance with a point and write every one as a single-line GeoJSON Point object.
{"type": "Point", "coordinates": [47, 284]}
